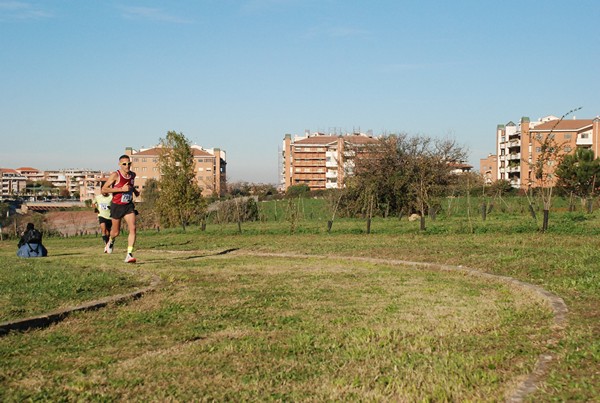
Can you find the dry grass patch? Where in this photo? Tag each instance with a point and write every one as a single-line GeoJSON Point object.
{"type": "Point", "coordinates": [274, 328]}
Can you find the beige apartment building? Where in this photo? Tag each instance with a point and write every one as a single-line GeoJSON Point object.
{"type": "Point", "coordinates": [488, 168]}
{"type": "Point", "coordinates": [321, 161]}
{"type": "Point", "coordinates": [12, 183]}
{"type": "Point", "coordinates": [32, 174]}
{"type": "Point", "coordinates": [518, 147]}
{"type": "Point", "coordinates": [210, 168]}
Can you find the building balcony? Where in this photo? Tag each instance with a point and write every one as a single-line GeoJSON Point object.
{"type": "Point", "coordinates": [516, 156]}
{"type": "Point", "coordinates": [514, 143]}
{"type": "Point", "coordinates": [309, 163]}
{"type": "Point", "coordinates": [516, 168]}
{"type": "Point", "coordinates": [331, 164]}
{"type": "Point", "coordinates": [587, 141]}
{"type": "Point", "coordinates": [331, 174]}
{"type": "Point", "coordinates": [502, 157]}
{"type": "Point", "coordinates": [516, 183]}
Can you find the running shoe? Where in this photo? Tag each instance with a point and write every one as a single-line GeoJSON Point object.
{"type": "Point", "coordinates": [109, 247]}
{"type": "Point", "coordinates": [129, 258]}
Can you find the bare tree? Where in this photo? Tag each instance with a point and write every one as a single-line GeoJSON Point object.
{"type": "Point", "coordinates": [544, 167]}
{"type": "Point", "coordinates": [333, 198]}
{"type": "Point", "coordinates": [430, 162]}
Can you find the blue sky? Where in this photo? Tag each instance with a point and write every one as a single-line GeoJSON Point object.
{"type": "Point", "coordinates": [82, 80]}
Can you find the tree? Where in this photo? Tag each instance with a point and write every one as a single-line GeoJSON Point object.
{"type": "Point", "coordinates": [577, 174]}
{"type": "Point", "coordinates": [299, 190]}
{"type": "Point", "coordinates": [180, 197]}
{"type": "Point", "coordinates": [544, 167]}
{"type": "Point", "coordinates": [64, 193]}
{"type": "Point", "coordinates": [333, 198]}
{"type": "Point", "coordinates": [429, 160]}
{"type": "Point", "coordinates": [4, 217]}
{"type": "Point", "coordinates": [501, 187]}
{"type": "Point", "coordinates": [149, 216]}
{"type": "Point", "coordinates": [380, 176]}
{"type": "Point", "coordinates": [405, 173]}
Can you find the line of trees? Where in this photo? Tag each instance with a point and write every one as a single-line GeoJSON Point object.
{"type": "Point", "coordinates": [398, 176]}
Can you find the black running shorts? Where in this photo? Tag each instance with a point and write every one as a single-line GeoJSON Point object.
{"type": "Point", "coordinates": [118, 211]}
{"type": "Point", "coordinates": [105, 221]}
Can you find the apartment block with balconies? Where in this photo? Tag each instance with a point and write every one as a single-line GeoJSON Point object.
{"type": "Point", "coordinates": [12, 183]}
{"type": "Point", "coordinates": [518, 147]}
{"type": "Point", "coordinates": [321, 161]}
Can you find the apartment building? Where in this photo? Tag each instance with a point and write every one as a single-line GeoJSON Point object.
{"type": "Point", "coordinates": [518, 147]}
{"type": "Point", "coordinates": [91, 185]}
{"type": "Point", "coordinates": [31, 174]}
{"type": "Point", "coordinates": [210, 166]}
{"type": "Point", "coordinates": [319, 160]}
{"type": "Point", "coordinates": [73, 180]}
{"type": "Point", "coordinates": [84, 182]}
{"type": "Point", "coordinates": [12, 183]}
{"type": "Point", "coordinates": [488, 168]}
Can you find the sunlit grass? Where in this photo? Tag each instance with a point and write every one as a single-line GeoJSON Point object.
{"type": "Point", "coordinates": [256, 328]}
{"type": "Point", "coordinates": [367, 331]}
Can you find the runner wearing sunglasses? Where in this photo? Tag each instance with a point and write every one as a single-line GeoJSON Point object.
{"type": "Point", "coordinates": [121, 184]}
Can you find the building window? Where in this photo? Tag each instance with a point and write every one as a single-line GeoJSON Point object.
{"type": "Point", "coordinates": [538, 149]}
{"type": "Point", "coordinates": [568, 149]}
{"type": "Point", "coordinates": [567, 136]}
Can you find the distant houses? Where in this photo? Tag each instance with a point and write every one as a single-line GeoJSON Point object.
{"type": "Point", "coordinates": [28, 182]}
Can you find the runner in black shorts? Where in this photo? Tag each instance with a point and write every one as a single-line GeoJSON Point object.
{"type": "Point", "coordinates": [119, 211]}
{"type": "Point", "coordinates": [121, 185]}
{"type": "Point", "coordinates": [101, 205]}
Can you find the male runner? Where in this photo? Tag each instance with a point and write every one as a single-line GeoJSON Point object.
{"type": "Point", "coordinates": [121, 184]}
{"type": "Point", "coordinates": [101, 205]}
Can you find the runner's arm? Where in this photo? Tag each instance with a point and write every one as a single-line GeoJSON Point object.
{"type": "Point", "coordinates": [108, 186]}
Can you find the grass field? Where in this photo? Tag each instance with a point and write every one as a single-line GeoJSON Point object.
{"type": "Point", "coordinates": [252, 325]}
